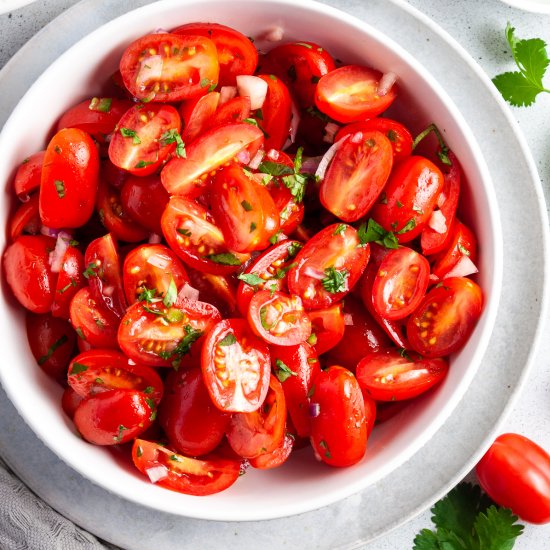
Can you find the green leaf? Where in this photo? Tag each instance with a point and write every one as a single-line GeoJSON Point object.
{"type": "Point", "coordinates": [173, 136]}
{"type": "Point", "coordinates": [228, 340]}
{"type": "Point", "coordinates": [426, 540]}
{"type": "Point", "coordinates": [129, 133]}
{"type": "Point", "coordinates": [171, 294]}
{"type": "Point", "coordinates": [78, 368]}
{"type": "Point", "coordinates": [274, 168]}
{"type": "Point", "coordinates": [283, 372]}
{"type": "Point", "coordinates": [59, 342]}
{"type": "Point", "coordinates": [335, 280]}
{"type": "Point", "coordinates": [374, 232]}
{"type": "Point", "coordinates": [497, 529]}
{"type": "Point", "coordinates": [516, 89]}
{"type": "Point", "coordinates": [250, 279]}
{"type": "Point", "coordinates": [226, 258]}
{"type": "Point", "coordinates": [147, 295]}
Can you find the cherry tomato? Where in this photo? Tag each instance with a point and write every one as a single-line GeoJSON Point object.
{"type": "Point", "coordinates": [515, 473]}
{"type": "Point", "coordinates": [28, 272]}
{"type": "Point", "coordinates": [387, 375]}
{"type": "Point", "coordinates": [234, 110]}
{"type": "Point", "coordinates": [191, 476]}
{"type": "Point", "coordinates": [258, 432]}
{"type": "Point", "coordinates": [52, 342]}
{"type": "Point", "coordinates": [327, 327]}
{"type": "Point", "coordinates": [339, 431]}
{"type": "Point", "coordinates": [328, 266]}
{"type": "Point", "coordinates": [169, 67]}
{"type": "Point", "coordinates": [235, 366]}
{"type": "Point", "coordinates": [357, 174]}
{"type": "Point", "coordinates": [236, 53]}
{"type": "Point", "coordinates": [445, 318]}
{"type": "Point", "coordinates": [28, 175]}
{"type": "Point", "coordinates": [193, 424]}
{"type": "Point", "coordinates": [69, 281]}
{"type": "Point", "coordinates": [113, 417]}
{"type": "Point", "coordinates": [70, 401]}
{"type": "Point", "coordinates": [26, 219]}
{"type": "Point", "coordinates": [350, 93]}
{"type": "Point", "coordinates": [196, 114]}
{"type": "Point", "coordinates": [69, 179]}
{"type": "Point", "coordinates": [275, 458]}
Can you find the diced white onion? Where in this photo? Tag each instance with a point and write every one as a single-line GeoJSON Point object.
{"type": "Point", "coordinates": [187, 291]}
{"type": "Point", "coordinates": [438, 222]}
{"type": "Point", "coordinates": [149, 70]}
{"type": "Point", "coordinates": [310, 165]}
{"type": "Point", "coordinates": [357, 137]}
{"type": "Point", "coordinates": [253, 87]}
{"type": "Point", "coordinates": [243, 156]}
{"type": "Point", "coordinates": [256, 159]}
{"type": "Point", "coordinates": [158, 260]}
{"type": "Point", "coordinates": [58, 253]}
{"type": "Point", "coordinates": [156, 473]}
{"type": "Point", "coordinates": [314, 273]}
{"type": "Point", "coordinates": [327, 157]}
{"type": "Point", "coordinates": [433, 277]}
{"type": "Point", "coordinates": [314, 410]}
{"type": "Point", "coordinates": [330, 131]}
{"type": "Point", "coordinates": [154, 238]}
{"type": "Point", "coordinates": [386, 82]}
{"type": "Point", "coordinates": [273, 155]}
{"type": "Point", "coordinates": [294, 120]}
{"type": "Point", "coordinates": [108, 290]}
{"type": "Point", "coordinates": [49, 232]}
{"type": "Point", "coordinates": [274, 34]}
{"type": "Point", "coordinates": [227, 93]}
{"type": "Point", "coordinates": [463, 268]}
{"type": "Point", "coordinates": [348, 319]}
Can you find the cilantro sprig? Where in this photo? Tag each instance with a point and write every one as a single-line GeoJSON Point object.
{"type": "Point", "coordinates": [467, 519]}
{"type": "Point", "coordinates": [521, 88]}
{"type": "Point", "coordinates": [374, 232]}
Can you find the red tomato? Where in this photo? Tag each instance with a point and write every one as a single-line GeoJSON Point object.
{"type": "Point", "coordinates": [69, 281]}
{"type": "Point", "coordinates": [193, 235]}
{"type": "Point", "coordinates": [251, 434]}
{"type": "Point", "coordinates": [27, 177]}
{"type": "Point", "coordinates": [52, 342]}
{"type": "Point", "coordinates": [28, 272]}
{"type": "Point", "coordinates": [191, 476]}
{"type": "Point", "coordinates": [236, 53]}
{"type": "Point", "coordinates": [113, 417]}
{"type": "Point", "coordinates": [193, 424]}
{"type": "Point", "coordinates": [70, 401]}
{"type": "Point", "coordinates": [151, 267]}
{"type": "Point", "coordinates": [69, 179]}
{"type": "Point", "coordinates": [244, 210]}
{"type": "Point", "coordinates": [446, 317]}
{"type": "Point", "coordinates": [144, 137]}
{"type": "Point", "coordinates": [409, 198]}
{"type": "Point", "coordinates": [275, 458]}
{"type": "Point", "coordinates": [26, 219]}
{"type": "Point", "coordinates": [232, 111]}
{"type": "Point", "coordinates": [339, 431]}
{"type": "Point", "coordinates": [296, 367]}
{"type": "Point", "coordinates": [235, 366]}
{"type": "Point", "coordinates": [278, 318]}
{"type": "Point", "coordinates": [218, 290]}
{"type": "Point", "coordinates": [216, 147]}
{"type": "Point", "coordinates": [168, 67]}
{"type": "Point", "coordinates": [387, 375]}
{"type": "Point", "coordinates": [400, 283]}
{"type": "Point", "coordinates": [327, 327]}
{"type": "Point", "coordinates": [350, 94]}
{"type": "Point", "coordinates": [328, 266]}
{"type": "Point", "coordinates": [515, 473]}
{"type": "Point", "coordinates": [196, 114]}
{"type": "Point", "coordinates": [356, 175]}
{"type": "Point", "coordinates": [97, 371]}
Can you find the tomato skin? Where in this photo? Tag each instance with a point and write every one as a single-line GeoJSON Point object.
{"type": "Point", "coordinates": [411, 194]}
{"type": "Point", "coordinates": [26, 219]}
{"type": "Point", "coordinates": [386, 375]}
{"type": "Point", "coordinates": [193, 424]}
{"type": "Point", "coordinates": [195, 115]}
{"type": "Point", "coordinates": [70, 401]}
{"type": "Point", "coordinates": [28, 272]}
{"type": "Point", "coordinates": [356, 175]}
{"type": "Point", "coordinates": [243, 387]}
{"type": "Point", "coordinates": [218, 290]}
{"type": "Point", "coordinates": [451, 311]}
{"type": "Point", "coordinates": [69, 281]}
{"type": "Point", "coordinates": [190, 476]}
{"type": "Point", "coordinates": [515, 473]}
{"type": "Point", "coordinates": [52, 342]}
{"type": "Point", "coordinates": [69, 179]}
{"type": "Point", "coordinates": [350, 93]}
{"type": "Point", "coordinates": [27, 177]}
{"type": "Point", "coordinates": [181, 73]}
{"type": "Point", "coordinates": [232, 111]}
{"type": "Point", "coordinates": [328, 326]}
{"type": "Point", "coordinates": [339, 431]}
{"type": "Point", "coordinates": [275, 458]}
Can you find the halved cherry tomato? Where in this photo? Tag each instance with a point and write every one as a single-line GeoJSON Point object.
{"type": "Point", "coordinates": [327, 327]}
{"type": "Point", "coordinates": [339, 431]}
{"type": "Point", "coordinates": [278, 318]}
{"type": "Point", "coordinates": [387, 375]}
{"type": "Point", "coordinates": [191, 476]}
{"type": "Point", "coordinates": [328, 266]}
{"type": "Point", "coordinates": [69, 179]}
{"type": "Point", "coordinates": [446, 317]}
{"type": "Point", "coordinates": [52, 342]}
{"type": "Point", "coordinates": [253, 433]}
{"type": "Point", "coordinates": [235, 366]}
{"type": "Point", "coordinates": [28, 175]}
{"type": "Point", "coordinates": [236, 52]}
{"type": "Point", "coordinates": [28, 272]}
{"type": "Point", "coordinates": [275, 458]}
{"type": "Point", "coordinates": [356, 175]}
{"type": "Point", "coordinates": [69, 281]}
{"type": "Point", "coordinates": [196, 114]}
{"type": "Point", "coordinates": [113, 417]}
{"type": "Point", "coordinates": [193, 424]}
{"type": "Point", "coordinates": [144, 137]}
{"type": "Point", "coordinates": [26, 219]}
{"type": "Point", "coordinates": [214, 148]}
{"type": "Point", "coordinates": [400, 283]}
{"type": "Point", "coordinates": [218, 290]}
{"type": "Point", "coordinates": [97, 371]}
{"type": "Point", "coordinates": [244, 210]}
{"type": "Point", "coordinates": [232, 111]}
{"type": "Point", "coordinates": [350, 93]}
{"type": "Point", "coordinates": [169, 67]}
{"type": "Point", "coordinates": [70, 401]}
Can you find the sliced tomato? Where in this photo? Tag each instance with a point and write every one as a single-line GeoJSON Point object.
{"type": "Point", "coordinates": [218, 290]}
{"type": "Point", "coordinates": [350, 93]}
{"type": "Point", "coordinates": [328, 266]}
{"type": "Point", "coordinates": [327, 327]}
{"type": "Point", "coordinates": [237, 109]}
{"type": "Point", "coordinates": [446, 317]}
{"type": "Point", "coordinates": [28, 175]}
{"type": "Point", "coordinates": [186, 176]}
{"type": "Point", "coordinates": [191, 476]}
{"type": "Point", "coordinates": [196, 114]}
{"type": "Point", "coordinates": [251, 434]}
{"type": "Point", "coordinates": [388, 375]}
{"type": "Point", "coordinates": [356, 175]}
{"type": "Point", "coordinates": [26, 219]}
{"type": "Point", "coordinates": [70, 401]}
{"type": "Point", "coordinates": [235, 366]}
{"type": "Point", "coordinates": [275, 458]}
{"type": "Point", "coordinates": [169, 67]}
{"type": "Point", "coordinates": [69, 281]}
{"type": "Point", "coordinates": [144, 137]}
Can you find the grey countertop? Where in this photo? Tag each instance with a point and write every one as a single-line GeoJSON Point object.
{"type": "Point", "coordinates": [476, 25]}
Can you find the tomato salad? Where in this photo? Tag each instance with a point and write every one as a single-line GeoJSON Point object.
{"type": "Point", "coordinates": [230, 254]}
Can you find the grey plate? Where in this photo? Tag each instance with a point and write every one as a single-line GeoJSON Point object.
{"type": "Point", "coordinates": [456, 446]}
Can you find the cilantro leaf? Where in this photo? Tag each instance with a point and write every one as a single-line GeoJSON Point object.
{"type": "Point", "coordinates": [335, 280]}
{"type": "Point", "coordinates": [497, 529]}
{"type": "Point", "coordinates": [225, 258]}
{"type": "Point", "coordinates": [250, 279]}
{"type": "Point", "coordinates": [173, 136]}
{"type": "Point", "coordinates": [374, 232]}
{"type": "Point", "coordinates": [283, 371]}
{"type": "Point", "coordinates": [171, 294]}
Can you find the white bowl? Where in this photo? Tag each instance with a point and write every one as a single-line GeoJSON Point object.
{"type": "Point", "coordinates": [302, 484]}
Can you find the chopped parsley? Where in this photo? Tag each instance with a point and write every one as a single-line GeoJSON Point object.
{"type": "Point", "coordinates": [90, 270]}
{"type": "Point", "coordinates": [171, 294]}
{"type": "Point", "coordinates": [246, 205]}
{"type": "Point", "coordinates": [411, 224]}
{"type": "Point", "coordinates": [374, 232]}
{"type": "Point", "coordinates": [78, 368]}
{"type": "Point", "coordinates": [60, 188]}
{"type": "Point", "coordinates": [250, 279]}
{"type": "Point", "coordinates": [67, 286]}
{"type": "Point", "coordinates": [129, 133]}
{"type": "Point", "coordinates": [147, 295]}
{"type": "Point", "coordinates": [323, 444]}
{"type": "Point", "coordinates": [282, 371]}
{"type": "Point", "coordinates": [184, 345]}
{"type": "Point", "coordinates": [118, 438]}
{"type": "Point", "coordinates": [59, 342]}
{"type": "Point", "coordinates": [173, 136]}
{"type": "Point", "coordinates": [335, 280]}
{"type": "Point", "coordinates": [225, 258]}
{"type": "Point", "coordinates": [184, 232]}
{"type": "Point", "coordinates": [103, 104]}
{"type": "Point", "coordinates": [340, 228]}
{"type": "Point", "coordinates": [142, 164]}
